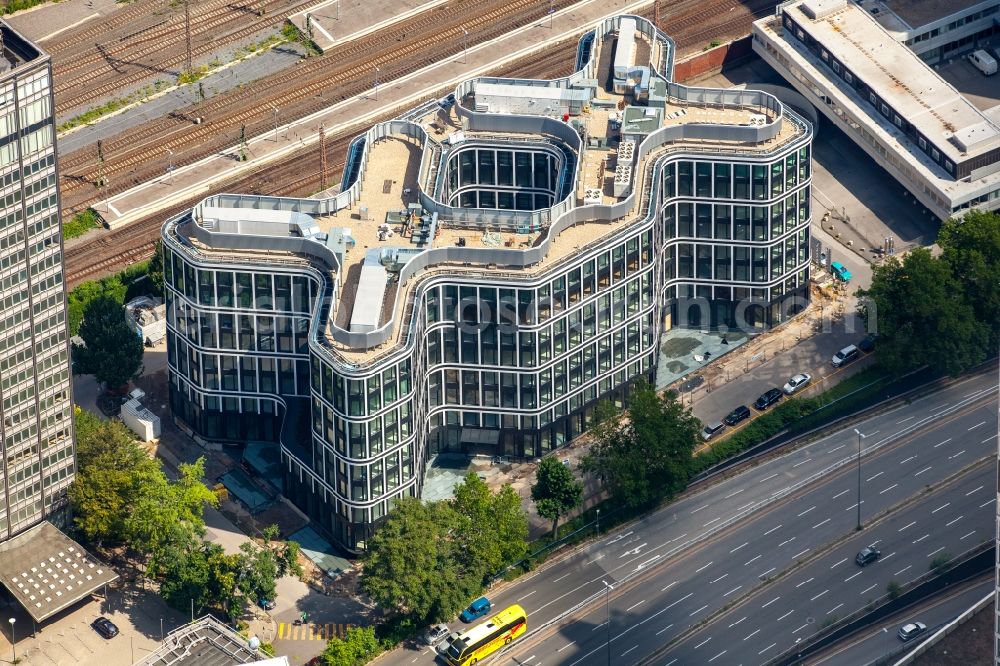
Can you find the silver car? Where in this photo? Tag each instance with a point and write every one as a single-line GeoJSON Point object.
{"type": "Point", "coordinates": [911, 630]}
{"type": "Point", "coordinates": [436, 634]}
{"type": "Point", "coordinates": [796, 382]}
{"type": "Point", "coordinates": [442, 647]}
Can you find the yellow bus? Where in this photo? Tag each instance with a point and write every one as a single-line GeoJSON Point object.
{"type": "Point", "coordinates": [471, 646]}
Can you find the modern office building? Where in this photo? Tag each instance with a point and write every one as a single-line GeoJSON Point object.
{"type": "Point", "coordinates": [37, 427]}
{"type": "Point", "coordinates": [492, 268]}
{"type": "Point", "coordinates": [936, 30]}
{"type": "Point", "coordinates": [912, 122]}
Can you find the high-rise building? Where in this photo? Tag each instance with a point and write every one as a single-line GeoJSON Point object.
{"type": "Point", "coordinates": [495, 264]}
{"type": "Point", "coordinates": [37, 427]}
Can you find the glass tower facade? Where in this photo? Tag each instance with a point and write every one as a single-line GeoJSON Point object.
{"type": "Point", "coordinates": [35, 390]}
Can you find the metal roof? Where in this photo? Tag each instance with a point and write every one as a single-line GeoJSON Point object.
{"type": "Point", "coordinates": [46, 571]}
{"type": "Point", "coordinates": [206, 642]}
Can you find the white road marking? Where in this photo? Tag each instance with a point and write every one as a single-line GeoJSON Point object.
{"type": "Point", "coordinates": [698, 611]}
{"type": "Point", "coordinates": [714, 520]}
{"type": "Point", "coordinates": [835, 608]}
{"type": "Point", "coordinates": [985, 503]}
{"type": "Point", "coordinates": [802, 462]}
{"type": "Point", "coordinates": [737, 622]}
{"type": "Point", "coordinates": [566, 646]}
{"type": "Point", "coordinates": [836, 448]}
{"type": "Point", "coordinates": [882, 492]}
{"type": "Point", "coordinates": [720, 578]}
{"type": "Point", "coordinates": [853, 576]}
{"type": "Point", "coordinates": [956, 455]}
{"type": "Point", "coordinates": [689, 594]}
{"type": "Point", "coordinates": [946, 504]}
{"type": "Point", "coordinates": [801, 628]}
{"type": "Point", "coordinates": [734, 494]}
{"type": "Point", "coordinates": [921, 538]}
{"type": "Point", "coordinates": [853, 506]}
{"type": "Point", "coordinates": [909, 524]}
{"type": "Point", "coordinates": [634, 605]}
{"type": "Point", "coordinates": [807, 510]}
{"type": "Point", "coordinates": [527, 595]}
{"type": "Point", "coordinates": [799, 554]}
{"type": "Point", "coordinates": [988, 439]}
{"type": "Point", "coordinates": [772, 529]}
{"type": "Point", "coordinates": [869, 589]}
{"type": "Point", "coordinates": [769, 571]}
{"type": "Point", "coordinates": [767, 648]}
{"type": "Point", "coordinates": [770, 602]}
{"type": "Point", "coordinates": [786, 541]}
{"type": "Point", "coordinates": [838, 563]}
{"type": "Point", "coordinates": [942, 443]}
{"type": "Point", "coordinates": [767, 478]}
{"type": "Point", "coordinates": [977, 425]}
{"type": "Point", "coordinates": [749, 562]}
{"type": "Point", "coordinates": [973, 490]}
{"type": "Point", "coordinates": [819, 595]}
{"type": "Point", "coordinates": [664, 629]}
{"type": "Point", "coordinates": [669, 586]}
{"type": "Point", "coordinates": [732, 590]}
{"type": "Point", "coordinates": [968, 535]}
{"type": "Point", "coordinates": [717, 656]}
{"type": "Point", "coordinates": [786, 615]}
{"type": "Point", "coordinates": [738, 547]}
{"type": "Point", "coordinates": [756, 631]}
{"type": "Point", "coordinates": [872, 478]}
{"type": "Point", "coordinates": [700, 508]}
{"type": "Point", "coordinates": [906, 419]}
{"type": "Point", "coordinates": [821, 523]}
{"type": "Point", "coordinates": [561, 577]}
{"type": "Point", "coordinates": [805, 582]}
{"type": "Point", "coordinates": [842, 492]}
{"type": "Point", "coordinates": [702, 643]}
{"type": "Point", "coordinates": [940, 407]}
{"type": "Point", "coordinates": [923, 470]}
{"type": "Point", "coordinates": [953, 521]}
{"type": "Point", "coordinates": [935, 552]}
{"type": "Point", "coordinates": [703, 568]}
{"type": "Point", "coordinates": [902, 462]}
{"type": "Point", "coordinates": [629, 650]}
{"type": "Point", "coordinates": [908, 566]}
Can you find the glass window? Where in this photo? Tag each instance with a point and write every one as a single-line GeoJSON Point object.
{"type": "Point", "coordinates": [759, 223]}
{"type": "Point", "coordinates": [723, 180]}
{"type": "Point", "coordinates": [741, 181]}
{"type": "Point", "coordinates": [722, 225]}
{"type": "Point", "coordinates": [703, 171]}
{"type": "Point", "coordinates": [685, 220]}
{"type": "Point", "coordinates": [685, 179]}
{"type": "Point", "coordinates": [741, 222]}
{"type": "Point", "coordinates": [759, 182]}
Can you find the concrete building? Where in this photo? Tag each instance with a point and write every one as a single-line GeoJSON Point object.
{"type": "Point", "coordinates": [37, 428]}
{"type": "Point", "coordinates": [939, 146]}
{"type": "Point", "coordinates": [937, 30]}
{"type": "Point", "coordinates": [529, 264]}
{"type": "Point", "coordinates": [147, 316]}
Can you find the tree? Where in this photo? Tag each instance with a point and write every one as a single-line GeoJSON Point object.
{"type": "Point", "coordinates": [259, 568]}
{"type": "Point", "coordinates": [971, 248]}
{"type": "Point", "coordinates": [358, 647]}
{"type": "Point", "coordinates": [413, 567]}
{"type": "Point", "coordinates": [556, 491]}
{"type": "Point", "coordinates": [922, 316]}
{"type": "Point", "coordinates": [496, 530]}
{"type": "Point", "coordinates": [155, 271]}
{"type": "Point", "coordinates": [112, 352]}
{"type": "Point", "coordinates": [646, 456]}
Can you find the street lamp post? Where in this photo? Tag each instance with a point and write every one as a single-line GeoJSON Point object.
{"type": "Point", "coordinates": [13, 641]}
{"type": "Point", "coordinates": [170, 167]}
{"type": "Point", "coordinates": [598, 522]}
{"type": "Point", "coordinates": [275, 109]}
{"type": "Point", "coordinates": [860, 439]}
{"type": "Point", "coordinates": [377, 70]}
{"type": "Point", "coordinates": [607, 608]}
{"type": "Point", "coordinates": [465, 45]}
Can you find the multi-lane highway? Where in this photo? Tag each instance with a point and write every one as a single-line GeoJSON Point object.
{"type": "Point", "coordinates": [682, 564]}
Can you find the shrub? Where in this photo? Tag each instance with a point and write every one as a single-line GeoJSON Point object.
{"type": "Point", "coordinates": [81, 223]}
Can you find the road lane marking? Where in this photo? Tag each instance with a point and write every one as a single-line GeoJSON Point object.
{"type": "Point", "coordinates": [566, 646]}
{"type": "Point", "coordinates": [888, 556]}
{"type": "Point", "coordinates": [853, 506]}
{"type": "Point", "coordinates": [669, 586]}
{"type": "Point", "coordinates": [737, 621]}
{"type": "Point", "coordinates": [839, 563]}
{"type": "Point", "coordinates": [807, 510]}
{"type": "Point", "coordinates": [770, 602]}
{"type": "Point", "coordinates": [977, 425]}
{"type": "Point", "coordinates": [629, 650]}
{"type": "Point", "coordinates": [872, 478]}
{"type": "Point", "coordinates": [702, 643]}
{"type": "Point", "coordinates": [527, 595]}
{"type": "Point", "coordinates": [882, 492]}
{"type": "Point", "coordinates": [698, 611]}
{"type": "Point", "coordinates": [869, 589]}
{"type": "Point", "coordinates": [786, 541]}
{"type": "Point", "coordinates": [734, 494]}
{"type": "Point", "coordinates": [909, 524]}
{"type": "Point", "coordinates": [797, 555]}
{"type": "Point", "coordinates": [946, 504]}
{"type": "Point", "coordinates": [921, 538]}
{"type": "Point", "coordinates": [940, 407]}
{"type": "Point", "coordinates": [703, 568]}
{"type": "Point", "coordinates": [801, 463]}
{"type": "Point", "coordinates": [842, 492]}
{"type": "Point", "coordinates": [906, 419]}
{"type": "Point", "coordinates": [973, 490]}
{"type": "Point", "coordinates": [836, 448]}
{"type": "Point", "coordinates": [908, 566]}
{"type": "Point", "coordinates": [732, 590]}
{"type": "Point", "coordinates": [772, 529]}
{"type": "Point", "coordinates": [561, 577]}
{"type": "Point", "coordinates": [767, 648]}
{"type": "Point", "coordinates": [954, 520]}
{"type": "Point", "coordinates": [923, 470]}
{"type": "Point", "coordinates": [942, 443]}
{"type": "Point", "coordinates": [738, 547]}
{"type": "Point", "coordinates": [805, 582]}
{"type": "Point", "coordinates": [717, 656]}
{"type": "Point", "coordinates": [989, 502]}
{"type": "Point", "coordinates": [956, 455]}
{"type": "Point", "coordinates": [902, 462]}
{"type": "Point", "coordinates": [749, 562]}
{"type": "Point", "coordinates": [634, 605]}
{"type": "Point", "coordinates": [819, 595]}
{"type": "Point", "coordinates": [934, 552]}
{"type": "Point", "coordinates": [714, 520]}
{"type": "Point", "coordinates": [756, 631]}
{"type": "Point", "coordinates": [801, 628]}
{"type": "Point", "coordinates": [835, 608]}
{"type": "Point", "coordinates": [664, 629]}
{"type": "Point", "coordinates": [689, 594]}
{"type": "Point", "coordinates": [988, 439]}
{"type": "Point", "coordinates": [786, 615]}
{"type": "Point", "coordinates": [968, 535]}
{"type": "Point", "coordinates": [768, 478]}
{"type": "Point", "coordinates": [853, 576]}
{"type": "Point", "coordinates": [720, 578]}
{"type": "Point", "coordinates": [824, 522]}
{"type": "Point", "coordinates": [700, 508]}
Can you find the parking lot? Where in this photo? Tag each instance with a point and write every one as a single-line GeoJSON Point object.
{"type": "Point", "coordinates": [981, 90]}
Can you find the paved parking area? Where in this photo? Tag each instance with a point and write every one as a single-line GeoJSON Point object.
{"type": "Point", "coordinates": [981, 90]}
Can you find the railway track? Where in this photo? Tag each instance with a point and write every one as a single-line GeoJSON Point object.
{"type": "Point", "coordinates": [300, 176]}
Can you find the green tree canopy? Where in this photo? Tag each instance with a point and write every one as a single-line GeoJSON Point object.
{"type": "Point", "coordinates": [494, 530]}
{"type": "Point", "coordinates": [556, 491]}
{"type": "Point", "coordinates": [971, 248]}
{"type": "Point", "coordinates": [155, 270]}
{"type": "Point", "coordinates": [357, 648]}
{"type": "Point", "coordinates": [112, 351]}
{"type": "Point", "coordinates": [922, 315]}
{"type": "Point", "coordinates": [645, 456]}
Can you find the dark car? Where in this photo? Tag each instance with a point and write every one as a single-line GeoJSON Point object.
{"type": "Point", "coordinates": [740, 413]}
{"type": "Point", "coordinates": [868, 344]}
{"type": "Point", "coordinates": [266, 604]}
{"type": "Point", "coordinates": [867, 555]}
{"type": "Point", "coordinates": [911, 630]}
{"type": "Point", "coordinates": [768, 399]}
{"type": "Point", "coordinates": [476, 610]}
{"type": "Point", "coordinates": [105, 627]}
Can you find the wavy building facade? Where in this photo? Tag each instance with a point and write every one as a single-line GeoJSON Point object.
{"type": "Point", "coordinates": [492, 268]}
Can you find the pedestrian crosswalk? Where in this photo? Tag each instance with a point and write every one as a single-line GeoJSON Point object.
{"type": "Point", "coordinates": [311, 631]}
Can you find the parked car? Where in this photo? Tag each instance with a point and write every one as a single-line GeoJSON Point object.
{"type": "Point", "coordinates": [476, 610]}
{"type": "Point", "coordinates": [845, 356]}
{"type": "Point", "coordinates": [911, 630]}
{"type": "Point", "coordinates": [712, 429]}
{"type": "Point", "coordinates": [768, 399]}
{"type": "Point", "coordinates": [868, 343]}
{"type": "Point", "coordinates": [840, 271]}
{"type": "Point", "coordinates": [442, 647]}
{"type": "Point", "coordinates": [797, 382]}
{"type": "Point", "coordinates": [737, 415]}
{"type": "Point", "coordinates": [867, 555]}
{"type": "Point", "coordinates": [105, 627]}
{"type": "Point", "coordinates": [436, 634]}
{"type": "Point", "coordinates": [266, 604]}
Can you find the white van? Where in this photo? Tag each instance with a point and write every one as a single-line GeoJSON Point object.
{"type": "Point", "coordinates": [984, 62]}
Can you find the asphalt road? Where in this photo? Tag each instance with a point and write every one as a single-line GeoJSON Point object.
{"type": "Point", "coordinates": [949, 520]}
{"type": "Point", "coordinates": [867, 645]}
{"type": "Point", "coordinates": [661, 600]}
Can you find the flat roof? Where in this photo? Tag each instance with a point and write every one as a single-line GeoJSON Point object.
{"type": "Point", "coordinates": [46, 571]}
{"type": "Point", "coordinates": [921, 12]}
{"type": "Point", "coordinates": [901, 78]}
{"type": "Point", "coordinates": [206, 642]}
